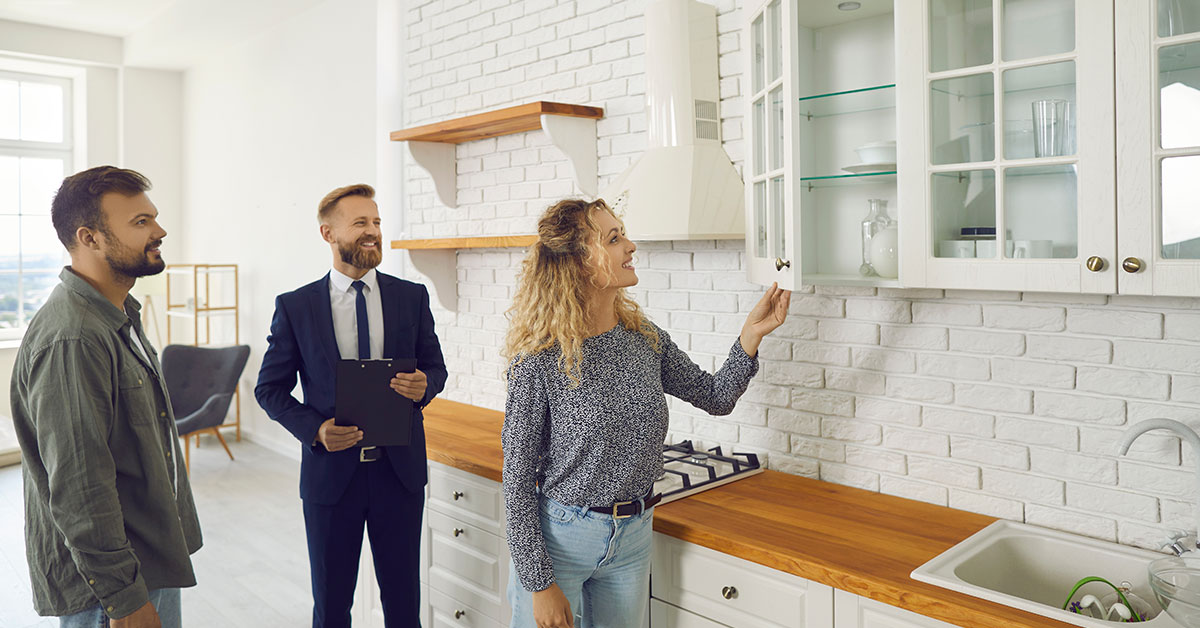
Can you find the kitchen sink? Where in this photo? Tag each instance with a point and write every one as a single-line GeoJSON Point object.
{"type": "Point", "coordinates": [1034, 569]}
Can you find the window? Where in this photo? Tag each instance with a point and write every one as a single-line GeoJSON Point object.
{"type": "Point", "coordinates": [36, 148]}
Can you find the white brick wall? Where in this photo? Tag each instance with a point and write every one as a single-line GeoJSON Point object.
{"type": "Point", "coordinates": [1001, 403]}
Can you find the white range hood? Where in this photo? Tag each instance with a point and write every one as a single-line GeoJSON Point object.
{"type": "Point", "coordinates": [684, 186]}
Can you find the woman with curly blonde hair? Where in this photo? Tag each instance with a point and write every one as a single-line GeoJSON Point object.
{"type": "Point", "coordinates": [586, 417]}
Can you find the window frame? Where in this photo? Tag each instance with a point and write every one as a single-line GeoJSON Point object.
{"type": "Point", "coordinates": [70, 150]}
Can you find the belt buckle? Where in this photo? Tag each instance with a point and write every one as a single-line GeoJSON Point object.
{"type": "Point", "coordinates": [362, 454]}
{"type": "Point", "coordinates": [618, 505]}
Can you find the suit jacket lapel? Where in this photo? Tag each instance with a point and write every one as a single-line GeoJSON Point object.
{"type": "Point", "coordinates": [390, 312]}
{"type": "Point", "coordinates": [323, 314]}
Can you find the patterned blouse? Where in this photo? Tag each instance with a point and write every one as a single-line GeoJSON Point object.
{"type": "Point", "coordinates": [600, 442]}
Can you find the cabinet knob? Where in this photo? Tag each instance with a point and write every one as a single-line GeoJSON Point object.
{"type": "Point", "coordinates": [1095, 264]}
{"type": "Point", "coordinates": [729, 592]}
{"type": "Point", "coordinates": [781, 263]}
{"type": "Point", "coordinates": [459, 613]}
{"type": "Point", "coordinates": [457, 494]}
{"type": "Point", "coordinates": [1131, 265]}
{"type": "Point", "coordinates": [458, 531]}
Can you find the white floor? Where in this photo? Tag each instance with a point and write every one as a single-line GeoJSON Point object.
{"type": "Point", "coordinates": [253, 568]}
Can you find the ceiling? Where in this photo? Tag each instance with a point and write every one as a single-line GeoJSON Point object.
{"type": "Point", "coordinates": [169, 34]}
{"type": "Point", "coordinates": [107, 17]}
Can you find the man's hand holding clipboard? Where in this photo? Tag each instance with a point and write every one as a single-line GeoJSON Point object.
{"type": "Point", "coordinates": [375, 401]}
{"type": "Point", "coordinates": [411, 385]}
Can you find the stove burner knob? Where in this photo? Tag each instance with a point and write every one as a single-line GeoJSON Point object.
{"type": "Point", "coordinates": [729, 592]}
{"type": "Point", "coordinates": [457, 494]}
{"type": "Point", "coordinates": [458, 531]}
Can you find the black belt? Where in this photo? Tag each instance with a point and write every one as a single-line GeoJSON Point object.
{"type": "Point", "coordinates": [370, 454]}
{"type": "Point", "coordinates": [624, 510]}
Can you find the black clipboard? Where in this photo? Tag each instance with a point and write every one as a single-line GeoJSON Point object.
{"type": "Point", "coordinates": [365, 399]}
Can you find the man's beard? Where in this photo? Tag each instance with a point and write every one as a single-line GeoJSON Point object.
{"type": "Point", "coordinates": [358, 257]}
{"type": "Point", "coordinates": [124, 260]}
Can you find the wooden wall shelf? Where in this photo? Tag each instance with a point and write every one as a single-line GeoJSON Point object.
{"type": "Point", "coordinates": [572, 128]}
{"type": "Point", "coordinates": [482, 242]}
{"type": "Point", "coordinates": [518, 119]}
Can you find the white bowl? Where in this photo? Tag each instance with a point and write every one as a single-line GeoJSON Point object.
{"type": "Point", "coordinates": [877, 152]}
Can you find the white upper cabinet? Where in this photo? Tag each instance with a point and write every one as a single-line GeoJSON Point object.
{"type": "Point", "coordinates": [1035, 148]}
{"type": "Point", "coordinates": [1158, 146]}
{"type": "Point", "coordinates": [822, 128]}
{"type": "Point", "coordinates": [1008, 179]}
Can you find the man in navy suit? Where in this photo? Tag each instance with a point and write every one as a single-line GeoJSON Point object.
{"type": "Point", "coordinates": [354, 312]}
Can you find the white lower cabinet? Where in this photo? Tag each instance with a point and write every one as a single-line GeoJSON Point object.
{"type": "Point", "coordinates": [663, 614]}
{"type": "Point", "coordinates": [853, 611]}
{"type": "Point", "coordinates": [734, 592]}
{"type": "Point", "coordinates": [468, 562]}
{"type": "Point", "coordinates": [696, 587]}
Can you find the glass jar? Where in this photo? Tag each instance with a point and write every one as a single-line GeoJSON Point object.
{"type": "Point", "coordinates": [877, 220]}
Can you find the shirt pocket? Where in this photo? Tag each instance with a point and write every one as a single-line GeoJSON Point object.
{"type": "Point", "coordinates": [134, 396]}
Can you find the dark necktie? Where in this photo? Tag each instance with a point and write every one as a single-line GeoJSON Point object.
{"type": "Point", "coordinates": [364, 331]}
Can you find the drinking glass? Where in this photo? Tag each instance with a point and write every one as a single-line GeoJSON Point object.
{"type": "Point", "coordinates": [1050, 126]}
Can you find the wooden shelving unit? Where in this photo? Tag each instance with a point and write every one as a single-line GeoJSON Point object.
{"type": "Point", "coordinates": [571, 128]}
{"type": "Point", "coordinates": [198, 306]}
{"type": "Point", "coordinates": [482, 242]}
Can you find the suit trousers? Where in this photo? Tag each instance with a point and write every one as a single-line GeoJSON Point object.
{"type": "Point", "coordinates": [374, 499]}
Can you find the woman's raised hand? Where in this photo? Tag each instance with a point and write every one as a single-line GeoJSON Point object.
{"type": "Point", "coordinates": [767, 315]}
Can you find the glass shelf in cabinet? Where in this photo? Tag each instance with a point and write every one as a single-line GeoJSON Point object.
{"type": "Point", "coordinates": [1179, 57]}
{"type": "Point", "coordinates": [842, 180]}
{"type": "Point", "coordinates": [849, 101]}
{"type": "Point", "coordinates": [830, 279]}
{"type": "Point", "coordinates": [1039, 169]}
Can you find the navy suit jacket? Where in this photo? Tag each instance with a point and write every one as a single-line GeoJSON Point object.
{"type": "Point", "coordinates": [302, 343]}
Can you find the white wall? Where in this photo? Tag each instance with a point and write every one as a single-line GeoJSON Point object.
{"type": "Point", "coordinates": [271, 126]}
{"type": "Point", "coordinates": [1003, 403]}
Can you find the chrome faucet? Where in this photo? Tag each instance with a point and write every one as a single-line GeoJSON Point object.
{"type": "Point", "coordinates": [1182, 541]}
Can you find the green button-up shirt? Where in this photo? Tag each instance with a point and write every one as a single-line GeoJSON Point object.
{"type": "Point", "coordinates": [108, 508]}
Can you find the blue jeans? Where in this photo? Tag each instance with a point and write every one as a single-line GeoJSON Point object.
{"type": "Point", "coordinates": [165, 601]}
{"type": "Point", "coordinates": [601, 564]}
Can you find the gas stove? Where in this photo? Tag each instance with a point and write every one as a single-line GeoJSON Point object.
{"type": "Point", "coordinates": [687, 470]}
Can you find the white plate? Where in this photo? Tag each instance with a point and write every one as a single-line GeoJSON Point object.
{"type": "Point", "coordinates": [872, 167]}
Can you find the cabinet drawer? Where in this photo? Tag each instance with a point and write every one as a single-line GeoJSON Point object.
{"type": "Point", "coordinates": [446, 612]}
{"type": "Point", "coordinates": [736, 592]}
{"type": "Point", "coordinates": [663, 615]}
{"type": "Point", "coordinates": [466, 496]}
{"type": "Point", "coordinates": [471, 567]}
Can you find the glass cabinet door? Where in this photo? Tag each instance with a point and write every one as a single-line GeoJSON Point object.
{"type": "Point", "coordinates": [1158, 78]}
{"type": "Point", "coordinates": [821, 173]}
{"type": "Point", "coordinates": [769, 247]}
{"type": "Point", "coordinates": [1016, 181]}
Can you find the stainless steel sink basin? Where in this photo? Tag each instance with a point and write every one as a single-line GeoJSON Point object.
{"type": "Point", "coordinates": [1034, 569]}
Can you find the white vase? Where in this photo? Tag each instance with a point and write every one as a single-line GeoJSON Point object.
{"type": "Point", "coordinates": [885, 253]}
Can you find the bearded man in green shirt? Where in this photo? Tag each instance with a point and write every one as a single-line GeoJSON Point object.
{"type": "Point", "coordinates": [109, 518]}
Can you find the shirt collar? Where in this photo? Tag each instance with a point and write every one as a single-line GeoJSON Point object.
{"type": "Point", "coordinates": [341, 283]}
{"type": "Point", "coordinates": [107, 312]}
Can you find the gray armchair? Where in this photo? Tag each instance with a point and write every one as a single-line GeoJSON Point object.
{"type": "Point", "coordinates": [201, 382]}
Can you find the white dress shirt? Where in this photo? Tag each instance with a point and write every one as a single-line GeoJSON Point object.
{"type": "Point", "coordinates": [342, 297]}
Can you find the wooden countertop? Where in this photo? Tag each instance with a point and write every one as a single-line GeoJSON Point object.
{"type": "Point", "coordinates": [855, 540]}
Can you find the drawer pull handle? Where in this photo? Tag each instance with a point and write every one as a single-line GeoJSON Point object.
{"type": "Point", "coordinates": [458, 531]}
{"type": "Point", "coordinates": [729, 592]}
{"type": "Point", "coordinates": [457, 494]}
{"type": "Point", "coordinates": [459, 613]}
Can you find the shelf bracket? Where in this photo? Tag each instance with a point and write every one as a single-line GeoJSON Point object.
{"type": "Point", "coordinates": [576, 138]}
{"type": "Point", "coordinates": [437, 158]}
{"type": "Point", "coordinates": [440, 267]}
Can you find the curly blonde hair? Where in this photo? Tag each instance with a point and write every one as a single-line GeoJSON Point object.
{"type": "Point", "coordinates": [550, 305]}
